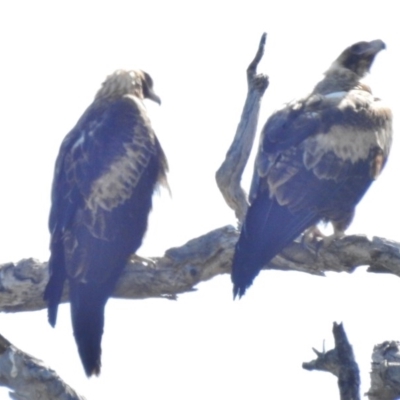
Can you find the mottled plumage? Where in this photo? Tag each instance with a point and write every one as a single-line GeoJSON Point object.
{"type": "Point", "coordinates": [317, 157]}
{"type": "Point", "coordinates": [106, 172]}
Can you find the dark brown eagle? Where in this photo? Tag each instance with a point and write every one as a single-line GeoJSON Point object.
{"type": "Point", "coordinates": [317, 157]}
{"type": "Point", "coordinates": [106, 172]}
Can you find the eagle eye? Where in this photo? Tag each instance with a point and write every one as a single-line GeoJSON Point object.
{"type": "Point", "coordinates": [148, 79]}
{"type": "Point", "coordinates": [358, 48]}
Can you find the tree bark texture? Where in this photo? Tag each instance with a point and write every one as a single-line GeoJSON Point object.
{"type": "Point", "coordinates": [29, 378]}
{"type": "Point", "coordinates": [180, 269]}
{"type": "Point", "coordinates": [340, 362]}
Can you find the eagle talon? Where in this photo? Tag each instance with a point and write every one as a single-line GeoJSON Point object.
{"type": "Point", "coordinates": [312, 239]}
{"type": "Point", "coordinates": [328, 240]}
{"type": "Point", "coordinates": [134, 258]}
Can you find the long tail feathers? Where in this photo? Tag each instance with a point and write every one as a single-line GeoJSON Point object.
{"type": "Point", "coordinates": [54, 289]}
{"type": "Point", "coordinates": [87, 314]}
{"type": "Point", "coordinates": [268, 228]}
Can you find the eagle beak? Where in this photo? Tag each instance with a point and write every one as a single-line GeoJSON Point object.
{"type": "Point", "coordinates": [147, 87]}
{"type": "Point", "coordinates": [152, 96]}
{"type": "Point", "coordinates": [375, 46]}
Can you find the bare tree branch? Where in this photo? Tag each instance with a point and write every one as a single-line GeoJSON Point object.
{"type": "Point", "coordinates": [340, 362]}
{"type": "Point", "coordinates": [29, 378]}
{"type": "Point", "coordinates": [230, 172]}
{"type": "Point", "coordinates": [349, 374]}
{"type": "Point", "coordinates": [385, 374]}
{"type": "Point", "coordinates": [201, 259]}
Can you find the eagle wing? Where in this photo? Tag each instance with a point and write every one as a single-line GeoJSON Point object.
{"type": "Point", "coordinates": [284, 129]}
{"type": "Point", "coordinates": [99, 166]}
{"type": "Point", "coordinates": [325, 136]}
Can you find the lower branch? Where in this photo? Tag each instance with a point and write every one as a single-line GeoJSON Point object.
{"type": "Point", "coordinates": [29, 378]}
{"type": "Point", "coordinates": [385, 374]}
{"type": "Point", "coordinates": [340, 362]}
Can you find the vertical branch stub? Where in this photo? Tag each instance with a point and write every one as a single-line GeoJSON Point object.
{"type": "Point", "coordinates": [230, 172]}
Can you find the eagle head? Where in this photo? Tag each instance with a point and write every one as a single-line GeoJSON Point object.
{"type": "Point", "coordinates": [350, 67]}
{"type": "Point", "coordinates": [134, 82]}
{"type": "Point", "coordinates": [147, 87]}
{"type": "Point", "coordinates": [359, 57]}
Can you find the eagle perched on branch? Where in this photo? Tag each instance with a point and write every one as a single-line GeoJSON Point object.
{"type": "Point", "coordinates": [106, 172]}
{"type": "Point", "coordinates": [317, 157]}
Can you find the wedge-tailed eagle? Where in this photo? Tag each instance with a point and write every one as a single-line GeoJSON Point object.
{"type": "Point", "coordinates": [317, 157]}
{"type": "Point", "coordinates": [106, 172]}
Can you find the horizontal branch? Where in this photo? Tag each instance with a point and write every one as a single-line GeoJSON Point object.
{"type": "Point", "coordinates": [29, 378]}
{"type": "Point", "coordinates": [182, 268]}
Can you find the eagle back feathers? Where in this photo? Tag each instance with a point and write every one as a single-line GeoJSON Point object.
{"type": "Point", "coordinates": [326, 135]}
{"type": "Point", "coordinates": [104, 157]}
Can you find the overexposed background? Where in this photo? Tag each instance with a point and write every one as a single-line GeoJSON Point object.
{"type": "Point", "coordinates": [55, 55]}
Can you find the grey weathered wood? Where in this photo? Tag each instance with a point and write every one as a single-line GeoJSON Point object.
{"type": "Point", "coordinates": [29, 378]}
{"type": "Point", "coordinates": [341, 362]}
{"type": "Point", "coordinates": [385, 368]}
{"type": "Point", "coordinates": [229, 174]}
{"type": "Point", "coordinates": [385, 372]}
{"type": "Point", "coordinates": [180, 269]}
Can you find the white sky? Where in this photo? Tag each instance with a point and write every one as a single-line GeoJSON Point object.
{"type": "Point", "coordinates": [55, 56]}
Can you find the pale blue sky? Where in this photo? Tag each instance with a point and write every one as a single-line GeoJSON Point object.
{"type": "Point", "coordinates": [55, 56]}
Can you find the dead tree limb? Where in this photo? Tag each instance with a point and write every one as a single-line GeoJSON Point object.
{"type": "Point", "coordinates": [340, 362]}
{"type": "Point", "coordinates": [182, 268]}
{"type": "Point", "coordinates": [29, 378]}
{"type": "Point", "coordinates": [385, 372]}
{"type": "Point", "coordinates": [229, 174]}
